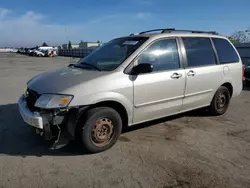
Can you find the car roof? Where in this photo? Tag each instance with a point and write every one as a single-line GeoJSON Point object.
{"type": "Point", "coordinates": [160, 35]}
{"type": "Point", "coordinates": [171, 32]}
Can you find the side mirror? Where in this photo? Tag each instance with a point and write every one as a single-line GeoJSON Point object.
{"type": "Point", "coordinates": [142, 68]}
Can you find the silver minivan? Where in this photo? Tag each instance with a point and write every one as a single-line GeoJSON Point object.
{"type": "Point", "coordinates": [130, 80]}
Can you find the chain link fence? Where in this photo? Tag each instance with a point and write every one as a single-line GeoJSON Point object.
{"type": "Point", "coordinates": [75, 52]}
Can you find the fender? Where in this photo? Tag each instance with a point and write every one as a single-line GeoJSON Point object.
{"type": "Point", "coordinates": [86, 100]}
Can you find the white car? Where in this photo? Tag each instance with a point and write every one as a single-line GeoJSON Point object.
{"type": "Point", "coordinates": [39, 53]}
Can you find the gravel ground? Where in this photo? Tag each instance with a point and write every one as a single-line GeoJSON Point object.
{"type": "Point", "coordinates": [188, 150]}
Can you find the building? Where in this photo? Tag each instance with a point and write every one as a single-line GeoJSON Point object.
{"type": "Point", "coordinates": [86, 45]}
{"type": "Point", "coordinates": [73, 46]}
{"type": "Point", "coordinates": [244, 51]}
{"type": "Point", "coordinates": [83, 45]}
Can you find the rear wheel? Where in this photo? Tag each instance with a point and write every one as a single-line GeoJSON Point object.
{"type": "Point", "coordinates": [220, 102]}
{"type": "Point", "coordinates": [101, 129]}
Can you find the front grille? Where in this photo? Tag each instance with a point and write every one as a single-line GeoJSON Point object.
{"type": "Point", "coordinates": [31, 98]}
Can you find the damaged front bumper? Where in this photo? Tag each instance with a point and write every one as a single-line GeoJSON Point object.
{"type": "Point", "coordinates": [33, 119]}
{"type": "Point", "coordinates": [52, 124]}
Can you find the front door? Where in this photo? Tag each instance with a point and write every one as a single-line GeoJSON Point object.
{"type": "Point", "coordinates": [159, 93]}
{"type": "Point", "coordinates": [202, 71]}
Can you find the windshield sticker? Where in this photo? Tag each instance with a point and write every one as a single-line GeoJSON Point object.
{"type": "Point", "coordinates": [130, 42]}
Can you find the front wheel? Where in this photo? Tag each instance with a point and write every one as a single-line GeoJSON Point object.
{"type": "Point", "coordinates": [101, 129]}
{"type": "Point", "coordinates": [220, 102]}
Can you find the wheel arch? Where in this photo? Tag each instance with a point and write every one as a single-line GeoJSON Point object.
{"type": "Point", "coordinates": [78, 115]}
{"type": "Point", "coordinates": [116, 106]}
{"type": "Point", "coordinates": [229, 86]}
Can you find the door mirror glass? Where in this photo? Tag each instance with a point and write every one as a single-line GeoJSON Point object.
{"type": "Point", "coordinates": [142, 68]}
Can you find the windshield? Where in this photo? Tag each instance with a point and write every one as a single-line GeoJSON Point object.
{"type": "Point", "coordinates": [110, 55]}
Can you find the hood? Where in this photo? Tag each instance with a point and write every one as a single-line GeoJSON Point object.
{"type": "Point", "coordinates": [59, 80]}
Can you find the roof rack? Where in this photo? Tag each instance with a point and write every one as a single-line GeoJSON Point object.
{"type": "Point", "coordinates": [170, 30]}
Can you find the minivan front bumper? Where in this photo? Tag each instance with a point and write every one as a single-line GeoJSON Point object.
{"type": "Point", "coordinates": [56, 123]}
{"type": "Point", "coordinates": [47, 123]}
{"type": "Point", "coordinates": [32, 118]}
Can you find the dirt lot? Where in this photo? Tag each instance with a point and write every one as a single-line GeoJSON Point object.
{"type": "Point", "coordinates": [189, 150]}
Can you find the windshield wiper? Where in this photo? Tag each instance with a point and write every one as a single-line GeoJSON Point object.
{"type": "Point", "coordinates": [90, 65]}
{"type": "Point", "coordinates": [78, 66]}
{"type": "Point", "coordinates": [71, 65]}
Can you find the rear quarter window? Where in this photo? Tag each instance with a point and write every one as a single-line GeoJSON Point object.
{"type": "Point", "coordinates": [225, 51]}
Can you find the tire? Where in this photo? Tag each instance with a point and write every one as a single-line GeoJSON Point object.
{"type": "Point", "coordinates": [220, 102]}
{"type": "Point", "coordinates": [247, 83]}
{"type": "Point", "coordinates": [98, 119]}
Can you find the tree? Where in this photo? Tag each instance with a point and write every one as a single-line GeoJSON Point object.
{"type": "Point", "coordinates": [69, 45]}
{"type": "Point", "coordinates": [240, 37]}
{"type": "Point", "coordinates": [44, 44]}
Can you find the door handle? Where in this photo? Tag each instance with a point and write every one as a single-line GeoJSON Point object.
{"type": "Point", "coordinates": [176, 75]}
{"type": "Point", "coordinates": [191, 73]}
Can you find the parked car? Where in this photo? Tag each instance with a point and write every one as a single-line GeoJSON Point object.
{"type": "Point", "coordinates": [21, 51]}
{"type": "Point", "coordinates": [39, 53]}
{"type": "Point", "coordinates": [130, 80]}
{"type": "Point", "coordinates": [31, 51]}
{"type": "Point", "coordinates": [247, 73]}
{"type": "Point", "coordinates": [45, 52]}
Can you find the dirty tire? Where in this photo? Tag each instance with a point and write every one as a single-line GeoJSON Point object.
{"type": "Point", "coordinates": [247, 83]}
{"type": "Point", "coordinates": [220, 102]}
{"type": "Point", "coordinates": [95, 120]}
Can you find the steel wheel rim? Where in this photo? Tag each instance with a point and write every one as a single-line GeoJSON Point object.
{"type": "Point", "coordinates": [102, 132]}
{"type": "Point", "coordinates": [221, 101]}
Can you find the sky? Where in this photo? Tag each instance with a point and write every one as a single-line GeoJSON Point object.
{"type": "Point", "coordinates": [30, 23]}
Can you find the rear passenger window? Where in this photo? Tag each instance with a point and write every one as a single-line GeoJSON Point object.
{"type": "Point", "coordinates": [199, 51]}
{"type": "Point", "coordinates": [225, 51]}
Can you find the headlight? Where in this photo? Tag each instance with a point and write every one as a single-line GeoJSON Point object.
{"type": "Point", "coordinates": [53, 101]}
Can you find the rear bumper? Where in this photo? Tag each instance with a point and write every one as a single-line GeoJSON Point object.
{"type": "Point", "coordinates": [32, 118]}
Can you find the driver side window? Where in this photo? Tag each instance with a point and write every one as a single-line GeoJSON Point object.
{"type": "Point", "coordinates": [163, 55]}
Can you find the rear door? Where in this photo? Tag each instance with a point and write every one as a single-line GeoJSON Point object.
{"type": "Point", "coordinates": [204, 75]}
{"type": "Point", "coordinates": [231, 64]}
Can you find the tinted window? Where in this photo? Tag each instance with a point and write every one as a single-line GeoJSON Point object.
{"type": "Point", "coordinates": [199, 51]}
{"type": "Point", "coordinates": [163, 55]}
{"type": "Point", "coordinates": [225, 51]}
